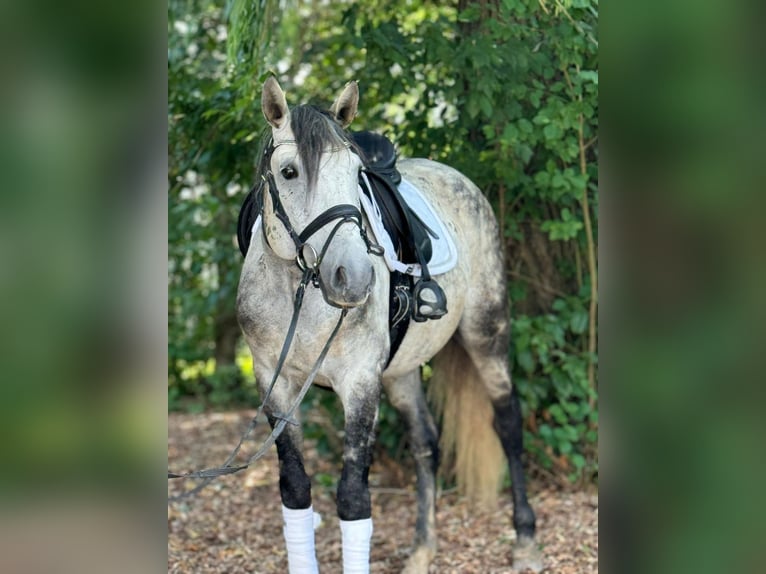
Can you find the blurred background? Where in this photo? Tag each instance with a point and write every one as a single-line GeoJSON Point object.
{"type": "Point", "coordinates": [100, 325]}
{"type": "Point", "coordinates": [505, 92]}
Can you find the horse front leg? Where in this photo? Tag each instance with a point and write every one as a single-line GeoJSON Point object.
{"type": "Point", "coordinates": [360, 405]}
{"type": "Point", "coordinates": [294, 486]}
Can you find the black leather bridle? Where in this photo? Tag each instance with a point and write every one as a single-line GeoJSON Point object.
{"type": "Point", "coordinates": [308, 259]}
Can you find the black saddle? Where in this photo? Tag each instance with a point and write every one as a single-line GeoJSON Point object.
{"type": "Point", "coordinates": [379, 154]}
{"type": "Point", "coordinates": [409, 234]}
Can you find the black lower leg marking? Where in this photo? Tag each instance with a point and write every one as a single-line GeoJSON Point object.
{"type": "Point", "coordinates": [508, 424]}
{"type": "Point", "coordinates": [353, 490]}
{"type": "Point", "coordinates": [294, 483]}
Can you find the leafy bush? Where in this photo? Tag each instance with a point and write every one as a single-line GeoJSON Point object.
{"type": "Point", "coordinates": [551, 374]}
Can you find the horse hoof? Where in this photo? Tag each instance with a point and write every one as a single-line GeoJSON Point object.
{"type": "Point", "coordinates": [419, 561]}
{"type": "Point", "coordinates": [527, 556]}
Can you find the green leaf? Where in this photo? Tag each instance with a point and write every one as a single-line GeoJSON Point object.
{"type": "Point", "coordinates": [578, 322]}
{"type": "Point", "coordinates": [558, 414]}
{"type": "Point", "coordinates": [589, 76]}
{"type": "Point", "coordinates": [525, 153]}
{"type": "Point", "coordinates": [486, 106]}
{"type": "Point", "coordinates": [552, 131]}
{"type": "Point", "coordinates": [525, 361]}
{"type": "Point", "coordinates": [525, 126]}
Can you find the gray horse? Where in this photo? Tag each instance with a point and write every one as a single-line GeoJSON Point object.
{"type": "Point", "coordinates": [311, 167]}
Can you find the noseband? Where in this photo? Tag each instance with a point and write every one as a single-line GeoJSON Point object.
{"type": "Point", "coordinates": [306, 256]}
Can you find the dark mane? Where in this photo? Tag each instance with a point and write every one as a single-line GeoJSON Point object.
{"type": "Point", "coordinates": [315, 131]}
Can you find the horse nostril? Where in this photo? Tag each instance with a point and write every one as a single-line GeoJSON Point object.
{"type": "Point", "coordinates": [340, 278]}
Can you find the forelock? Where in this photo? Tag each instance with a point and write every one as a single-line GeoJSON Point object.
{"type": "Point", "coordinates": [315, 131]}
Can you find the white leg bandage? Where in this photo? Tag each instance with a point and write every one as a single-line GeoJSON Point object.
{"type": "Point", "coordinates": [356, 536]}
{"type": "Point", "coordinates": [299, 539]}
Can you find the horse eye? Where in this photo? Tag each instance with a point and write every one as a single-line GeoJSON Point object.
{"type": "Point", "coordinates": [289, 172]}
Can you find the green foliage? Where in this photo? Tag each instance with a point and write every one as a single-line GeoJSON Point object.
{"type": "Point", "coordinates": [212, 123]}
{"type": "Point", "coordinates": [551, 375]}
{"type": "Point", "coordinates": [199, 386]}
{"type": "Point", "coordinates": [505, 91]}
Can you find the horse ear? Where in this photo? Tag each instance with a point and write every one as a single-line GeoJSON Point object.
{"type": "Point", "coordinates": [274, 104]}
{"type": "Point", "coordinates": [344, 108]}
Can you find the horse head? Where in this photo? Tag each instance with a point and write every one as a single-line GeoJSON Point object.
{"type": "Point", "coordinates": [311, 211]}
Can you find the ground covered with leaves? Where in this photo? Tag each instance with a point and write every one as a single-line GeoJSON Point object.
{"type": "Point", "coordinates": [234, 525]}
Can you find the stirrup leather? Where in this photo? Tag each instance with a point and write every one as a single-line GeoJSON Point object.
{"type": "Point", "coordinates": [429, 301]}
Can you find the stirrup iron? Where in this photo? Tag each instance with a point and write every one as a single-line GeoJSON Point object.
{"type": "Point", "coordinates": [429, 301]}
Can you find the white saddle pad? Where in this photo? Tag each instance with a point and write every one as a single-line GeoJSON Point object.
{"type": "Point", "coordinates": [444, 256]}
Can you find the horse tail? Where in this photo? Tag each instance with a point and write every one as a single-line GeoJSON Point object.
{"type": "Point", "coordinates": [471, 452]}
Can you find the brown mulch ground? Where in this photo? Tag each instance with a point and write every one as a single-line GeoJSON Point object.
{"type": "Point", "coordinates": [234, 525]}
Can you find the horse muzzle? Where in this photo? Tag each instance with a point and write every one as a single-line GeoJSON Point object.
{"type": "Point", "coordinates": [348, 283]}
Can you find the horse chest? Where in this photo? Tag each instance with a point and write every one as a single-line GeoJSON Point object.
{"type": "Point", "coordinates": [265, 306]}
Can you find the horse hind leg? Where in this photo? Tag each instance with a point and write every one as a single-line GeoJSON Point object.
{"type": "Point", "coordinates": [406, 395]}
{"type": "Point", "coordinates": [486, 341]}
{"type": "Point", "coordinates": [508, 424]}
